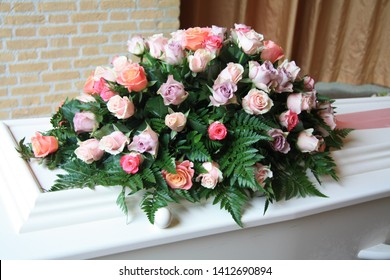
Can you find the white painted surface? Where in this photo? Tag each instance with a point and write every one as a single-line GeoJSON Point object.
{"type": "Point", "coordinates": [88, 224]}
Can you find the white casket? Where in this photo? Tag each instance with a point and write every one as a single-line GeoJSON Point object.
{"type": "Point", "coordinates": [85, 224]}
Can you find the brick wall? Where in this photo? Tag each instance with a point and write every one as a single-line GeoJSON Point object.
{"type": "Point", "coordinates": [48, 48]}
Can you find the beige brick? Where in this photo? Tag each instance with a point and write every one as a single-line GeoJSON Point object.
{"type": "Point", "coordinates": [7, 57]}
{"type": "Point", "coordinates": [4, 115]}
{"type": "Point", "coordinates": [5, 32]}
{"type": "Point", "coordinates": [169, 3]}
{"type": "Point", "coordinates": [54, 30]}
{"type": "Point", "coordinates": [88, 51]}
{"type": "Point", "coordinates": [31, 100]}
{"type": "Point", "coordinates": [2, 69]}
{"type": "Point", "coordinates": [29, 79]}
{"type": "Point", "coordinates": [27, 55]}
{"type": "Point", "coordinates": [3, 92]}
{"type": "Point", "coordinates": [8, 81]}
{"type": "Point", "coordinates": [150, 24]}
{"type": "Point", "coordinates": [112, 4]}
{"type": "Point", "coordinates": [119, 15]}
{"type": "Point", "coordinates": [25, 32]}
{"type": "Point", "coordinates": [62, 86]}
{"type": "Point", "coordinates": [25, 19]}
{"type": "Point", "coordinates": [55, 98]}
{"type": "Point", "coordinates": [28, 90]}
{"type": "Point", "coordinates": [26, 44]}
{"type": "Point", "coordinates": [119, 26]}
{"type": "Point", "coordinates": [147, 4]}
{"type": "Point", "coordinates": [89, 40]}
{"type": "Point", "coordinates": [23, 7]}
{"type": "Point", "coordinates": [8, 103]}
{"type": "Point", "coordinates": [62, 65]}
{"type": "Point", "coordinates": [120, 38]}
{"type": "Point", "coordinates": [114, 49]}
{"type": "Point", "coordinates": [31, 112]}
{"type": "Point", "coordinates": [168, 25]}
{"type": "Point", "coordinates": [28, 67]}
{"type": "Point", "coordinates": [90, 62]}
{"type": "Point", "coordinates": [89, 28]}
{"type": "Point", "coordinates": [59, 42]}
{"type": "Point", "coordinates": [57, 6]}
{"type": "Point", "coordinates": [60, 76]}
{"type": "Point", "coordinates": [59, 53]}
{"type": "Point", "coordinates": [86, 17]}
{"type": "Point", "coordinates": [147, 14]}
{"type": "Point", "coordinates": [58, 18]}
{"type": "Point", "coordinates": [172, 13]}
{"type": "Point", "coordinates": [89, 5]}
{"type": "Point", "coordinates": [5, 7]}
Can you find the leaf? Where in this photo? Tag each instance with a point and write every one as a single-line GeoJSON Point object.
{"type": "Point", "coordinates": [155, 107]}
{"type": "Point", "coordinates": [121, 201]}
{"type": "Point", "coordinates": [25, 151]}
{"type": "Point", "coordinates": [152, 201]}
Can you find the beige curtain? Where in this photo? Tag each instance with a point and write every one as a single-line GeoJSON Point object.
{"type": "Point", "coordinates": [332, 40]}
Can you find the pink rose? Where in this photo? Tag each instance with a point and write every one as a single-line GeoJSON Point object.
{"type": "Point", "coordinates": [172, 92]}
{"type": "Point", "coordinates": [213, 43]}
{"type": "Point", "coordinates": [271, 52]}
{"type": "Point", "coordinates": [130, 163]}
{"type": "Point", "coordinates": [212, 177]}
{"type": "Point", "coordinates": [146, 141]}
{"type": "Point", "coordinates": [43, 145]}
{"type": "Point", "coordinates": [279, 142]}
{"type": "Point", "coordinates": [89, 151]}
{"type": "Point", "coordinates": [121, 107]}
{"type": "Point", "coordinates": [307, 142]}
{"type": "Point", "coordinates": [247, 39]}
{"type": "Point", "coordinates": [257, 102]}
{"type": "Point", "coordinates": [114, 143]}
{"type": "Point", "coordinates": [199, 60]}
{"type": "Point", "coordinates": [85, 122]}
{"type": "Point", "coordinates": [136, 45]}
{"type": "Point", "coordinates": [262, 75]}
{"type": "Point", "coordinates": [262, 172]}
{"type": "Point", "coordinates": [289, 119]}
{"type": "Point", "coordinates": [173, 53]}
{"type": "Point", "coordinates": [217, 131]}
{"type": "Point", "coordinates": [195, 37]}
{"type": "Point", "coordinates": [133, 77]}
{"type": "Point", "coordinates": [232, 73]}
{"type": "Point", "coordinates": [103, 90]}
{"type": "Point", "coordinates": [291, 68]}
{"type": "Point", "coordinates": [156, 44]}
{"type": "Point", "coordinates": [106, 73]}
{"type": "Point", "coordinates": [325, 111]}
{"type": "Point", "coordinates": [88, 86]}
{"type": "Point", "coordinates": [298, 102]}
{"type": "Point", "coordinates": [308, 83]}
{"type": "Point", "coordinates": [176, 121]}
{"type": "Point", "coordinates": [309, 100]}
{"type": "Point", "coordinates": [223, 93]}
{"type": "Point", "coordinates": [183, 177]}
{"type": "Point", "coordinates": [85, 98]}
{"type": "Point", "coordinates": [120, 63]}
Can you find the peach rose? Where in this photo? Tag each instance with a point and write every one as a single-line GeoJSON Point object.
{"type": "Point", "coordinates": [195, 37]}
{"type": "Point", "coordinates": [212, 177]}
{"type": "Point", "coordinates": [257, 102]}
{"type": "Point", "coordinates": [88, 86]}
{"type": "Point", "coordinates": [114, 143]}
{"type": "Point", "coordinates": [43, 145]}
{"type": "Point", "coordinates": [176, 121]}
{"type": "Point", "coordinates": [262, 172]}
{"type": "Point", "coordinates": [106, 73]}
{"type": "Point", "coordinates": [199, 60]}
{"type": "Point", "coordinates": [88, 151]}
{"type": "Point", "coordinates": [272, 52]}
{"type": "Point", "coordinates": [307, 142]}
{"type": "Point", "coordinates": [232, 73]}
{"type": "Point", "coordinates": [183, 177]}
{"type": "Point", "coordinates": [133, 77]}
{"type": "Point", "coordinates": [121, 107]}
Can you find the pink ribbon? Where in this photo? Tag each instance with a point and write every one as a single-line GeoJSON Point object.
{"type": "Point", "coordinates": [364, 120]}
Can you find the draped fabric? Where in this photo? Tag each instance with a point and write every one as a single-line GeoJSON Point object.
{"type": "Point", "coordinates": [344, 41]}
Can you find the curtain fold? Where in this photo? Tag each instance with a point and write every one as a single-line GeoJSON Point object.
{"type": "Point", "coordinates": [333, 40]}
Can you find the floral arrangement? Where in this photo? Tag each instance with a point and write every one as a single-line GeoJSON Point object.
{"type": "Point", "coordinates": [208, 113]}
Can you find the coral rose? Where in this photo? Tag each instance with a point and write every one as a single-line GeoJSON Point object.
{"type": "Point", "coordinates": [195, 37]}
{"type": "Point", "coordinates": [133, 77]}
{"type": "Point", "coordinates": [217, 131]}
{"type": "Point", "coordinates": [43, 145]}
{"type": "Point", "coordinates": [272, 52]}
{"type": "Point", "coordinates": [130, 163]}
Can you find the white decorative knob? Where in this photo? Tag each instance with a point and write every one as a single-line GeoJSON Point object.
{"type": "Point", "coordinates": [162, 218]}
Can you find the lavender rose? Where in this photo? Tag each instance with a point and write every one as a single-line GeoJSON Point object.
{"type": "Point", "coordinates": [85, 122]}
{"type": "Point", "coordinates": [146, 141]}
{"type": "Point", "coordinates": [223, 93]}
{"type": "Point", "coordinates": [172, 92]}
{"type": "Point", "coordinates": [279, 144]}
